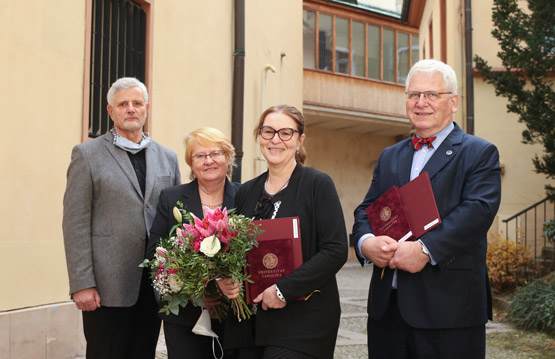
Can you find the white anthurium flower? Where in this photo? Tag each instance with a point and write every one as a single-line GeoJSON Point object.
{"type": "Point", "coordinates": [210, 246]}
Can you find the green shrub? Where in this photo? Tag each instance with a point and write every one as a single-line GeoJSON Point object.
{"type": "Point", "coordinates": [549, 230]}
{"type": "Point", "coordinates": [533, 306]}
{"type": "Point", "coordinates": [509, 264]}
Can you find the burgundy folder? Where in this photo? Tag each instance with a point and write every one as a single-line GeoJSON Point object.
{"type": "Point", "coordinates": [405, 213]}
{"type": "Point", "coordinates": [278, 254]}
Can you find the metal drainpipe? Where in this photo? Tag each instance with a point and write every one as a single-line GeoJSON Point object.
{"type": "Point", "coordinates": [238, 88]}
{"type": "Point", "coordinates": [469, 68]}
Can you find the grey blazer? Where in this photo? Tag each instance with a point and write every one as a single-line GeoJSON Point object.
{"type": "Point", "coordinates": [106, 219]}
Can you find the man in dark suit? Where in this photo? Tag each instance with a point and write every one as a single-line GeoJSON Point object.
{"type": "Point", "coordinates": [113, 185]}
{"type": "Point", "coordinates": [434, 299]}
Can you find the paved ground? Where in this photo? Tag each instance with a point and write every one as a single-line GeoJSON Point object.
{"type": "Point", "coordinates": [353, 283]}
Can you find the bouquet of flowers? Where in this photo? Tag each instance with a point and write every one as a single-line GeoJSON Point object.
{"type": "Point", "coordinates": [197, 253]}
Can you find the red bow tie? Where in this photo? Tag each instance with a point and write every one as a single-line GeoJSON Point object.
{"type": "Point", "coordinates": [418, 142]}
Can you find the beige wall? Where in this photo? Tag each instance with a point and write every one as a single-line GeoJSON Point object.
{"type": "Point", "coordinates": [192, 71]}
{"type": "Point", "coordinates": [42, 96]}
{"type": "Point", "coordinates": [349, 159]}
{"type": "Point", "coordinates": [273, 37]}
{"type": "Point", "coordinates": [483, 43]}
{"type": "Point", "coordinates": [521, 186]}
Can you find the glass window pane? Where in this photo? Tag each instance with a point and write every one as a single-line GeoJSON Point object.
{"type": "Point", "coordinates": [388, 55]}
{"type": "Point", "coordinates": [342, 45]}
{"type": "Point", "coordinates": [324, 42]}
{"type": "Point", "coordinates": [415, 49]}
{"type": "Point", "coordinates": [403, 57]}
{"type": "Point", "coordinates": [392, 8]}
{"type": "Point", "coordinates": [358, 49]}
{"type": "Point", "coordinates": [373, 52]}
{"type": "Point", "coordinates": [309, 39]}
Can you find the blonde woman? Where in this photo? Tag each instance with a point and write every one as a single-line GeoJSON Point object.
{"type": "Point", "coordinates": [210, 156]}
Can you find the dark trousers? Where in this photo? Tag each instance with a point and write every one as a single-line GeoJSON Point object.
{"type": "Point", "coordinates": [392, 338]}
{"type": "Point", "coordinates": [273, 352]}
{"type": "Point", "coordinates": [124, 332]}
{"type": "Point", "coordinates": [181, 342]}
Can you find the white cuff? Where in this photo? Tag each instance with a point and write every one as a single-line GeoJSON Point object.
{"type": "Point", "coordinates": [432, 261]}
{"type": "Point", "coordinates": [359, 245]}
{"type": "Point", "coordinates": [280, 295]}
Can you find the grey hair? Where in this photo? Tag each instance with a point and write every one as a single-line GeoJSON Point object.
{"type": "Point", "coordinates": [430, 66]}
{"type": "Point", "coordinates": [122, 84]}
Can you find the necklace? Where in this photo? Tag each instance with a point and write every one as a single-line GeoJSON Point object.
{"type": "Point", "coordinates": [213, 206]}
{"type": "Point", "coordinates": [278, 190]}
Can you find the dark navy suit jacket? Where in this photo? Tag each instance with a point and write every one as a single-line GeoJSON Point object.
{"type": "Point", "coordinates": [465, 177]}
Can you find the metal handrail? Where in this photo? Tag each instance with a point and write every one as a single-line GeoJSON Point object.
{"type": "Point", "coordinates": [531, 239]}
{"type": "Point", "coordinates": [526, 210]}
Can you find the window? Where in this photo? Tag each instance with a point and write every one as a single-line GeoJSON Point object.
{"type": "Point", "coordinates": [355, 48]}
{"type": "Point", "coordinates": [325, 42]}
{"type": "Point", "coordinates": [118, 42]}
{"type": "Point", "coordinates": [357, 63]}
{"type": "Point", "coordinates": [341, 45]}
{"type": "Point", "coordinates": [403, 57]}
{"type": "Point", "coordinates": [389, 55]}
{"type": "Point", "coordinates": [309, 40]}
{"type": "Point", "coordinates": [374, 52]}
{"type": "Point", "coordinates": [397, 9]}
{"type": "Point", "coordinates": [414, 49]}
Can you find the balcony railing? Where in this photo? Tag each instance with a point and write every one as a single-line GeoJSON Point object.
{"type": "Point", "coordinates": [526, 228]}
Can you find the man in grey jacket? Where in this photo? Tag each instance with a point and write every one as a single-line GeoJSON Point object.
{"type": "Point", "coordinates": [113, 185]}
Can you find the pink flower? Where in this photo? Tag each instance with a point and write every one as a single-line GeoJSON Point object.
{"type": "Point", "coordinates": [160, 270]}
{"type": "Point", "coordinates": [207, 212]}
{"type": "Point", "coordinates": [225, 236]}
{"type": "Point", "coordinates": [220, 225]}
{"type": "Point", "coordinates": [206, 232]}
{"type": "Point", "coordinates": [196, 245]}
{"type": "Point", "coordinates": [198, 222]}
{"type": "Point", "coordinates": [162, 251]}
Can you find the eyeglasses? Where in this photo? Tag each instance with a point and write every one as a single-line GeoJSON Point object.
{"type": "Point", "coordinates": [428, 95]}
{"type": "Point", "coordinates": [213, 155]}
{"type": "Point", "coordinates": [285, 134]}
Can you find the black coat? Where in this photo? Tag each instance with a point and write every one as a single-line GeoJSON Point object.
{"type": "Point", "coordinates": [308, 326]}
{"type": "Point", "coordinates": [164, 221]}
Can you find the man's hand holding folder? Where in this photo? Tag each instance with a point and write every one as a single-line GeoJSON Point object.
{"type": "Point", "coordinates": [402, 214]}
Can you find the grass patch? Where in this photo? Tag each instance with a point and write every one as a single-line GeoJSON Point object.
{"type": "Point", "coordinates": [520, 344]}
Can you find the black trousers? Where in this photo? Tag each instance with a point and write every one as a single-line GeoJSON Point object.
{"type": "Point", "coordinates": [392, 338]}
{"type": "Point", "coordinates": [124, 332]}
{"type": "Point", "coordinates": [181, 342]}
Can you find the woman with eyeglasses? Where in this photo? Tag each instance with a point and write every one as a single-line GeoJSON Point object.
{"type": "Point", "coordinates": [284, 326]}
{"type": "Point", "coordinates": [210, 156]}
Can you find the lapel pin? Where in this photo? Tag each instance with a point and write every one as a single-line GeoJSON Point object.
{"type": "Point", "coordinates": [449, 152]}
